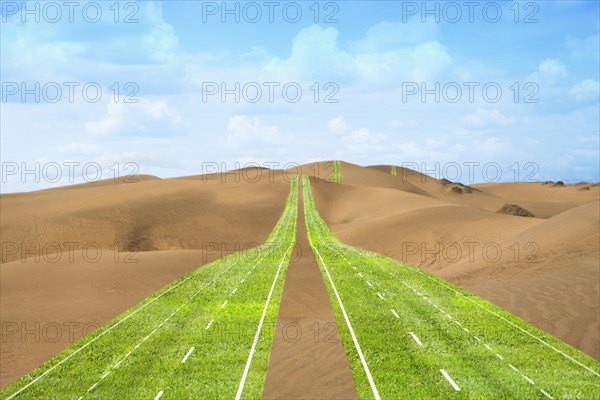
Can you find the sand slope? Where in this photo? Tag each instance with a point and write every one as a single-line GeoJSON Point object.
{"type": "Point", "coordinates": [548, 271]}
{"type": "Point", "coordinates": [170, 227]}
{"type": "Point", "coordinates": [544, 269]}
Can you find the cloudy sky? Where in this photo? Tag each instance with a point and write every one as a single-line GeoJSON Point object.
{"type": "Point", "coordinates": [170, 88]}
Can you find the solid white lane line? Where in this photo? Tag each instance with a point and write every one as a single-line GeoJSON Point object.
{"type": "Point", "coordinates": [546, 394]}
{"type": "Point", "coordinates": [93, 340]}
{"type": "Point", "coordinates": [416, 338]}
{"type": "Point", "coordinates": [105, 375]}
{"type": "Point", "coordinates": [189, 353]}
{"type": "Point", "coordinates": [499, 356]}
{"type": "Point", "coordinates": [449, 379]}
{"type": "Point", "coordinates": [358, 349]}
{"type": "Point", "coordinates": [449, 316]}
{"type": "Point", "coordinates": [380, 296]}
{"type": "Point", "coordinates": [395, 314]}
{"type": "Point", "coordinates": [224, 304]}
{"type": "Point", "coordinates": [513, 367]}
{"type": "Point", "coordinates": [442, 311]}
{"type": "Point", "coordinates": [113, 326]}
{"type": "Point", "coordinates": [158, 396]}
{"type": "Point", "coordinates": [528, 379]}
{"type": "Point", "coordinates": [513, 324]}
{"type": "Point", "coordinates": [209, 324]}
{"type": "Point", "coordinates": [260, 324]}
{"type": "Point", "coordinates": [117, 364]}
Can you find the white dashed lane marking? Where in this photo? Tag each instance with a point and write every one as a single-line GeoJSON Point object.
{"type": "Point", "coordinates": [209, 324]}
{"type": "Point", "coordinates": [444, 373]}
{"type": "Point", "coordinates": [546, 394]}
{"type": "Point", "coordinates": [224, 304]}
{"type": "Point", "coordinates": [159, 395]}
{"type": "Point", "coordinates": [449, 379]}
{"type": "Point", "coordinates": [189, 353]}
{"type": "Point", "coordinates": [416, 339]}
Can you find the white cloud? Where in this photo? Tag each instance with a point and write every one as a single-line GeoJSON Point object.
{"type": "Point", "coordinates": [363, 135]}
{"type": "Point", "coordinates": [368, 62]}
{"type": "Point", "coordinates": [549, 70]}
{"type": "Point", "coordinates": [487, 118]}
{"type": "Point", "coordinates": [145, 117]}
{"type": "Point", "coordinates": [586, 47]}
{"type": "Point", "coordinates": [337, 125]}
{"type": "Point", "coordinates": [386, 36]}
{"type": "Point", "coordinates": [244, 128]}
{"type": "Point", "coordinates": [588, 89]}
{"type": "Point", "coordinates": [80, 148]}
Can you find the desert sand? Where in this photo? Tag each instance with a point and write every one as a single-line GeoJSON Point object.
{"type": "Point", "coordinates": [544, 269]}
{"type": "Point", "coordinates": [307, 346]}
{"type": "Point", "coordinates": [149, 233]}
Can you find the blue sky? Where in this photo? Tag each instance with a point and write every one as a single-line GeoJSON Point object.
{"type": "Point", "coordinates": [370, 57]}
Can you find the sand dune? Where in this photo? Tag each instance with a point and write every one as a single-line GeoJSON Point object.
{"type": "Point", "coordinates": [54, 274]}
{"type": "Point", "coordinates": [544, 269]}
{"type": "Point", "coordinates": [177, 224]}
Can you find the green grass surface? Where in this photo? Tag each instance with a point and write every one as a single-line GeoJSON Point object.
{"type": "Point", "coordinates": [337, 172]}
{"type": "Point", "coordinates": [140, 353]}
{"type": "Point", "coordinates": [488, 352]}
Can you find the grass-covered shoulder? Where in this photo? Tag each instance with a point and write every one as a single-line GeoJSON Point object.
{"type": "Point", "coordinates": [422, 337]}
{"type": "Point", "coordinates": [211, 313]}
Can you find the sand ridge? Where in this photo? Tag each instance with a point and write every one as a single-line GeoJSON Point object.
{"type": "Point", "coordinates": [175, 225]}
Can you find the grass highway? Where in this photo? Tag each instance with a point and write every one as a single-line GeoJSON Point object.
{"type": "Point", "coordinates": [409, 334]}
{"type": "Point", "coordinates": [202, 336]}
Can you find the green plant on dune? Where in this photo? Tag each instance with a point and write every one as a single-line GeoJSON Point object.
{"type": "Point", "coordinates": [336, 175]}
{"type": "Point", "coordinates": [409, 334]}
{"type": "Point", "coordinates": [394, 173]}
